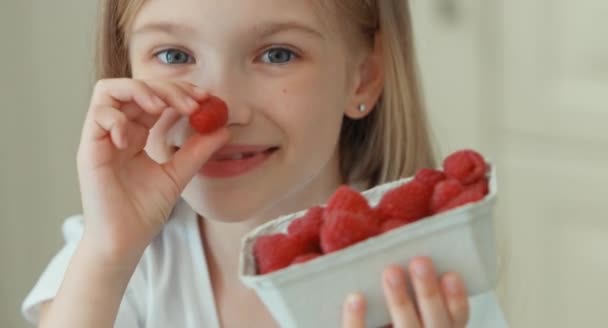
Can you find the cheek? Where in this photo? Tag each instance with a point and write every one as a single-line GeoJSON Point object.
{"type": "Point", "coordinates": [315, 99]}
{"type": "Point", "coordinates": [310, 115]}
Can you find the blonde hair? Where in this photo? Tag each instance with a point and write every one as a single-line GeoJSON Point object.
{"type": "Point", "coordinates": [392, 142]}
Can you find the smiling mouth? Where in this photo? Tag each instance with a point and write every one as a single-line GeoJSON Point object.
{"type": "Point", "coordinates": [236, 155]}
{"type": "Point", "coordinates": [242, 155]}
{"type": "Point", "coordinates": [235, 160]}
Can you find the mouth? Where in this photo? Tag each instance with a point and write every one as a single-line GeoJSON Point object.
{"type": "Point", "coordinates": [232, 154]}
{"type": "Point", "coordinates": [236, 160]}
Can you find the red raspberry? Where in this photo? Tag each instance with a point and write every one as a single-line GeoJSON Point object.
{"type": "Point", "coordinates": [467, 165]}
{"type": "Point", "coordinates": [392, 224]}
{"type": "Point", "coordinates": [444, 192]}
{"type": "Point", "coordinates": [467, 196]}
{"type": "Point", "coordinates": [212, 115]}
{"type": "Point", "coordinates": [409, 202]}
{"type": "Point", "coordinates": [308, 227]}
{"type": "Point", "coordinates": [342, 229]}
{"type": "Point", "coordinates": [430, 177]}
{"type": "Point", "coordinates": [348, 199]}
{"type": "Point", "coordinates": [482, 186]}
{"type": "Point", "coordinates": [276, 251]}
{"type": "Point", "coordinates": [377, 215]}
{"type": "Point", "coordinates": [305, 258]}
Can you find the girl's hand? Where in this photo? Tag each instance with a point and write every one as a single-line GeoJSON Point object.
{"type": "Point", "coordinates": [127, 196]}
{"type": "Point", "coordinates": [440, 303]}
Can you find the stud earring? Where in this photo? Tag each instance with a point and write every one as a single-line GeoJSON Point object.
{"type": "Point", "coordinates": [362, 108]}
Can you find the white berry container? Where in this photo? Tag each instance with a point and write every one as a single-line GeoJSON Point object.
{"type": "Point", "coordinates": [312, 294]}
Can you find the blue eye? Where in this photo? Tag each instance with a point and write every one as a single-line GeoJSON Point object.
{"type": "Point", "coordinates": [278, 56]}
{"type": "Point", "coordinates": [174, 57]}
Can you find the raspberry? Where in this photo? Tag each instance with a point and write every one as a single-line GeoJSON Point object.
{"type": "Point", "coordinates": [409, 202]}
{"type": "Point", "coordinates": [308, 227]}
{"type": "Point", "coordinates": [430, 177]}
{"type": "Point", "coordinates": [276, 251]}
{"type": "Point", "coordinates": [391, 224]}
{"type": "Point", "coordinates": [481, 185]}
{"type": "Point", "coordinates": [444, 192]}
{"type": "Point", "coordinates": [377, 215]}
{"type": "Point", "coordinates": [467, 196]}
{"type": "Point", "coordinates": [342, 229]}
{"type": "Point", "coordinates": [212, 115]}
{"type": "Point", "coordinates": [468, 166]}
{"type": "Point", "coordinates": [348, 199]}
{"type": "Point", "coordinates": [305, 258]}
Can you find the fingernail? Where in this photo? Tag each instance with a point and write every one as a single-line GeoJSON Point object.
{"type": "Point", "coordinates": [421, 269]}
{"type": "Point", "coordinates": [355, 302]}
{"type": "Point", "coordinates": [453, 285]}
{"type": "Point", "coordinates": [394, 278]}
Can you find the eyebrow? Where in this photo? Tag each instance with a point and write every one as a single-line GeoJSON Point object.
{"type": "Point", "coordinates": [260, 31]}
{"type": "Point", "coordinates": [267, 29]}
{"type": "Point", "coordinates": [164, 27]}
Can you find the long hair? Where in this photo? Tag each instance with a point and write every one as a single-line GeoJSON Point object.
{"type": "Point", "coordinates": [392, 142]}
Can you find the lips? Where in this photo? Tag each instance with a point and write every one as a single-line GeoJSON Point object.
{"type": "Point", "coordinates": [235, 160]}
{"type": "Point", "coordinates": [237, 152]}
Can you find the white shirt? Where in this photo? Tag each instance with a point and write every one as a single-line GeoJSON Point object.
{"type": "Point", "coordinates": [171, 287]}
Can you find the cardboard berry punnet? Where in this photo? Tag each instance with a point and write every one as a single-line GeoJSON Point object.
{"type": "Point", "coordinates": [309, 288]}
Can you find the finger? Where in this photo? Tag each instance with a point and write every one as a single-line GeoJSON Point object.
{"type": "Point", "coordinates": [195, 91]}
{"type": "Point", "coordinates": [179, 96]}
{"type": "Point", "coordinates": [104, 121]}
{"type": "Point", "coordinates": [353, 311]}
{"type": "Point", "coordinates": [432, 309]}
{"type": "Point", "coordinates": [117, 92]}
{"type": "Point", "coordinates": [137, 137]}
{"type": "Point", "coordinates": [140, 117]}
{"type": "Point", "coordinates": [456, 298]}
{"type": "Point", "coordinates": [400, 305]}
{"type": "Point", "coordinates": [189, 159]}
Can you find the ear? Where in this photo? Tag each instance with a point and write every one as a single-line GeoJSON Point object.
{"type": "Point", "coordinates": [368, 82]}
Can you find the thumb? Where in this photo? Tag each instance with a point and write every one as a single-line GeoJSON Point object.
{"type": "Point", "coordinates": [193, 154]}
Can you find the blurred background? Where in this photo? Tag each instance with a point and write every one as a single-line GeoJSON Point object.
{"type": "Point", "coordinates": [524, 81]}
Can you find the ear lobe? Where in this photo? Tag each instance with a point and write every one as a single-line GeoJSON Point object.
{"type": "Point", "coordinates": [369, 82]}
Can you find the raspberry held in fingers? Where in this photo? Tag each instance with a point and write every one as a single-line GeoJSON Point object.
{"type": "Point", "coordinates": [212, 115]}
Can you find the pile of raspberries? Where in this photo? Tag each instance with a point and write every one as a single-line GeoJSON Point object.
{"type": "Point", "coordinates": [348, 218]}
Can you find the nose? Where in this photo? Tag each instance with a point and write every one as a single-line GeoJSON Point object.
{"type": "Point", "coordinates": [239, 113]}
{"type": "Point", "coordinates": [229, 84]}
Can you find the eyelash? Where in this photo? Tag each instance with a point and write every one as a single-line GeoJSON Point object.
{"type": "Point", "coordinates": [159, 53]}
{"type": "Point", "coordinates": [293, 55]}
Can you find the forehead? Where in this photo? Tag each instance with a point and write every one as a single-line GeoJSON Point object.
{"type": "Point", "coordinates": [222, 16]}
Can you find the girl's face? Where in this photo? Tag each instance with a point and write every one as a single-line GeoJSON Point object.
{"type": "Point", "coordinates": [283, 73]}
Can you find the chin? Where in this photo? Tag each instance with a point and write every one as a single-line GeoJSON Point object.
{"type": "Point", "coordinates": [229, 207]}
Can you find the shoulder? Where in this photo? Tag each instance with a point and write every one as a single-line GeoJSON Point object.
{"type": "Point", "coordinates": [163, 261]}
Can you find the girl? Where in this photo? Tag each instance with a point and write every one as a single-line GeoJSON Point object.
{"type": "Point", "coordinates": [320, 93]}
